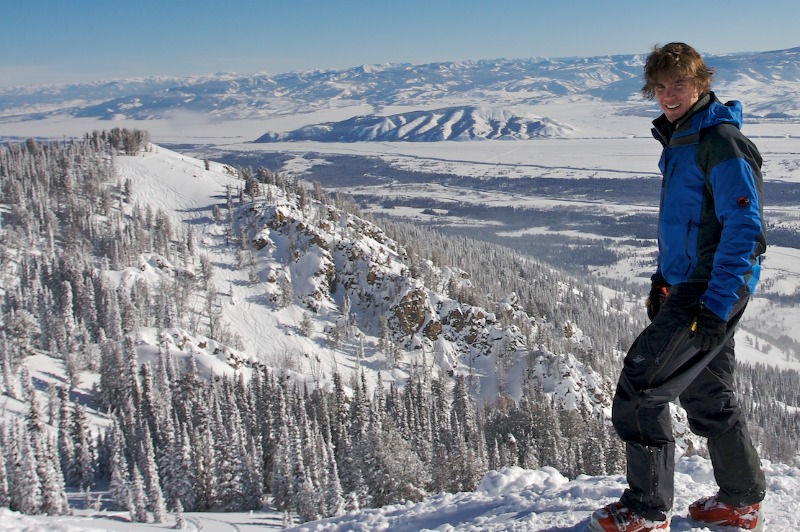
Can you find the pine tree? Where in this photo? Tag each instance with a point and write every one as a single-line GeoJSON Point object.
{"type": "Point", "coordinates": [26, 493]}
{"type": "Point", "coordinates": [228, 466]}
{"type": "Point", "coordinates": [280, 479]}
{"type": "Point", "coordinates": [180, 523]}
{"type": "Point", "coordinates": [54, 495]}
{"type": "Point", "coordinates": [360, 409]}
{"type": "Point", "coordinates": [25, 382]}
{"type": "Point", "coordinates": [138, 508]}
{"type": "Point", "coordinates": [285, 291]}
{"type": "Point", "coordinates": [152, 480]}
{"type": "Point", "coordinates": [167, 459]}
{"type": "Point", "coordinates": [252, 476]}
{"type": "Point", "coordinates": [80, 471]}
{"type": "Point", "coordinates": [182, 474]}
{"type": "Point", "coordinates": [204, 459]}
{"type": "Point", "coordinates": [129, 318]}
{"type": "Point", "coordinates": [108, 308]}
{"type": "Point", "coordinates": [129, 363]}
{"type": "Point", "coordinates": [67, 317]}
{"type": "Point", "coordinates": [111, 374]}
{"type": "Point", "coordinates": [334, 503]}
{"type": "Point", "coordinates": [594, 448]}
{"type": "Point", "coordinates": [5, 496]}
{"type": "Point", "coordinates": [148, 411]}
{"type": "Point", "coordinates": [7, 379]}
{"type": "Point", "coordinates": [120, 483]}
{"type": "Point", "coordinates": [311, 442]}
{"type": "Point", "coordinates": [65, 452]}
{"type": "Point", "coordinates": [88, 308]}
{"type": "Point", "coordinates": [303, 491]}
{"type": "Point", "coordinates": [393, 472]}
{"type": "Point", "coordinates": [354, 477]}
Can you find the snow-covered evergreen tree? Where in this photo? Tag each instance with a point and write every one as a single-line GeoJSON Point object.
{"type": "Point", "coordinates": [280, 477]}
{"type": "Point", "coordinates": [120, 483]}
{"type": "Point", "coordinates": [5, 497]}
{"type": "Point", "coordinates": [333, 499]}
{"type": "Point", "coordinates": [25, 485]}
{"type": "Point", "coordinates": [80, 472]}
{"type": "Point", "coordinates": [392, 471]}
{"type": "Point", "coordinates": [152, 480]}
{"type": "Point", "coordinates": [54, 494]}
{"type": "Point", "coordinates": [138, 508]}
{"type": "Point", "coordinates": [180, 523]}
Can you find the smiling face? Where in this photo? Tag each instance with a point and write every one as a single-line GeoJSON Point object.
{"type": "Point", "coordinates": [676, 96]}
{"type": "Point", "coordinates": [677, 77]}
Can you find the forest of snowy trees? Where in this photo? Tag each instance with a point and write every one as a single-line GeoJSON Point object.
{"type": "Point", "coordinates": [173, 441]}
{"type": "Point", "coordinates": [179, 443]}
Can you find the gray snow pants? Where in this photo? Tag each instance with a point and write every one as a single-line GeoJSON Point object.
{"type": "Point", "coordinates": [662, 365]}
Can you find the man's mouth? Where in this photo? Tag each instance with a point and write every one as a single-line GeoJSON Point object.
{"type": "Point", "coordinates": [670, 107]}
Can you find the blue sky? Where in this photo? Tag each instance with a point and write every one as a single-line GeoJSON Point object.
{"type": "Point", "coordinates": [56, 41]}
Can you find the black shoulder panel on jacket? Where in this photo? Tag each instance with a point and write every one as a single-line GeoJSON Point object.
{"type": "Point", "coordinates": [723, 142]}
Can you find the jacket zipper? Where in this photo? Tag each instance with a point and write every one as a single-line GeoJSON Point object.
{"type": "Point", "coordinates": [689, 260]}
{"type": "Point", "coordinates": [653, 481]}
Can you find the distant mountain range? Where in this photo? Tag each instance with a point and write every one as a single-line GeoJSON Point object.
{"type": "Point", "coordinates": [437, 101]}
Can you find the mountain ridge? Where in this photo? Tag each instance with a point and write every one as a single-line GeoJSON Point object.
{"type": "Point", "coordinates": [445, 124]}
{"type": "Point", "coordinates": [496, 83]}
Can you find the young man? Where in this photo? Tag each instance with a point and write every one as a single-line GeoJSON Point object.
{"type": "Point", "coordinates": [710, 241]}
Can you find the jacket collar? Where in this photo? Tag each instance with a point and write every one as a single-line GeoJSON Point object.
{"type": "Point", "coordinates": [665, 131]}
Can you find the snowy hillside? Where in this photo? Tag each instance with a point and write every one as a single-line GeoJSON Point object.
{"type": "Point", "coordinates": [514, 499]}
{"type": "Point", "coordinates": [266, 290]}
{"type": "Point", "coordinates": [196, 278]}
{"type": "Point", "coordinates": [318, 249]}
{"type": "Point", "coordinates": [455, 123]}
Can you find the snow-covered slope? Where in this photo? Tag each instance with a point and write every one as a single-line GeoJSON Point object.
{"type": "Point", "coordinates": [453, 123]}
{"type": "Point", "coordinates": [324, 241]}
{"type": "Point", "coordinates": [515, 499]}
{"type": "Point", "coordinates": [509, 500]}
{"type": "Point", "coordinates": [331, 256]}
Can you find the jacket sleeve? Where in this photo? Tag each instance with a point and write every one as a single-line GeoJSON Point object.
{"type": "Point", "coordinates": [736, 189]}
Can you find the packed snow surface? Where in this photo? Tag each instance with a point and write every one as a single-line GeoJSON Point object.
{"type": "Point", "coordinates": [512, 499]}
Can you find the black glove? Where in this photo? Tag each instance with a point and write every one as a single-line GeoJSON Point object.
{"type": "Point", "coordinates": [709, 330]}
{"type": "Point", "coordinates": [658, 294]}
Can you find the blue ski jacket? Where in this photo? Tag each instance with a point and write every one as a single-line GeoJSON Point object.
{"type": "Point", "coordinates": [711, 227]}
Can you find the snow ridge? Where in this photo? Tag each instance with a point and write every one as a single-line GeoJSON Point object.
{"type": "Point", "coordinates": [771, 80]}
{"type": "Point", "coordinates": [451, 123]}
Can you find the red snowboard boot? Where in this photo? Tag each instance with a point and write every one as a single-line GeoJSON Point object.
{"type": "Point", "coordinates": [617, 518]}
{"type": "Point", "coordinates": [711, 511]}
